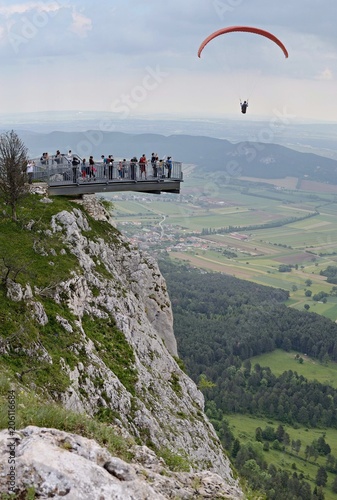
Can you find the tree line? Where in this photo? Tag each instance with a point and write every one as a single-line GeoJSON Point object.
{"type": "Point", "coordinates": [266, 225]}
{"type": "Point", "coordinates": [289, 398]}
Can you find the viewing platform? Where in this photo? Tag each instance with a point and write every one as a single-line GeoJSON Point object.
{"type": "Point", "coordinates": [65, 179]}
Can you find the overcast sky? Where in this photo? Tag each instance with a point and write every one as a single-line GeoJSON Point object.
{"type": "Point", "coordinates": [139, 57]}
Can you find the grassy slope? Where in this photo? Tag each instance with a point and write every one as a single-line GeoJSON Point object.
{"type": "Point", "coordinates": [31, 254]}
{"type": "Point", "coordinates": [40, 259]}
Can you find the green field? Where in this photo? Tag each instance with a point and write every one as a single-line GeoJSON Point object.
{"type": "Point", "coordinates": [280, 361]}
{"type": "Point", "coordinates": [243, 427]}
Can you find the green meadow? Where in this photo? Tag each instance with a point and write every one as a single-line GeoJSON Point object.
{"type": "Point", "coordinates": [244, 426]}
{"type": "Point", "coordinates": [280, 361]}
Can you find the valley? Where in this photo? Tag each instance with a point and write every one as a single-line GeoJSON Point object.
{"type": "Point", "coordinates": [253, 230]}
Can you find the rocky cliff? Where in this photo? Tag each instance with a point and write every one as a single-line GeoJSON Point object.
{"type": "Point", "coordinates": [97, 335]}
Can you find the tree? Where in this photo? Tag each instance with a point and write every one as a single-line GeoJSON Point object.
{"type": "Point", "coordinates": [286, 439]}
{"type": "Point", "coordinates": [319, 296]}
{"type": "Point", "coordinates": [236, 447]}
{"type": "Point", "coordinates": [308, 282]}
{"type": "Point", "coordinates": [334, 485]}
{"type": "Point", "coordinates": [322, 447]}
{"type": "Point", "coordinates": [204, 383]}
{"type": "Point", "coordinates": [280, 433]}
{"type": "Point", "coordinates": [284, 268]}
{"type": "Point", "coordinates": [276, 445]}
{"type": "Point", "coordinates": [331, 464]}
{"type": "Point", "coordinates": [247, 365]}
{"type": "Point", "coordinates": [258, 434]}
{"type": "Point", "coordinates": [308, 293]}
{"type": "Point", "coordinates": [308, 452]}
{"type": "Point", "coordinates": [268, 433]}
{"type": "Point", "coordinates": [13, 164]}
{"type": "Point", "coordinates": [318, 494]}
{"type": "Point", "coordinates": [321, 477]}
{"type": "Point", "coordinates": [266, 446]}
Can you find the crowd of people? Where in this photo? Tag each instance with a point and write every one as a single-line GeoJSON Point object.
{"type": "Point", "coordinates": [109, 168]}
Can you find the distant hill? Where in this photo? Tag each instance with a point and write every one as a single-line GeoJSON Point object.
{"type": "Point", "coordinates": [253, 159]}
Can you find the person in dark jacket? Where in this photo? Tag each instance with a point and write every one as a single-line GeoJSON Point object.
{"type": "Point", "coordinates": [244, 106]}
{"type": "Point", "coordinates": [169, 166]}
{"type": "Point", "coordinates": [133, 166]}
{"type": "Point", "coordinates": [75, 162]}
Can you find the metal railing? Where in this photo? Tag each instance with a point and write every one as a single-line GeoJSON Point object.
{"type": "Point", "coordinates": [61, 171]}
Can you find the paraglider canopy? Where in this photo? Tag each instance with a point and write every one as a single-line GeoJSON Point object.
{"type": "Point", "coordinates": [247, 29]}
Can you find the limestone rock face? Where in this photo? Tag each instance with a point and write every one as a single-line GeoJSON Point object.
{"type": "Point", "coordinates": [115, 287]}
{"type": "Point", "coordinates": [61, 465]}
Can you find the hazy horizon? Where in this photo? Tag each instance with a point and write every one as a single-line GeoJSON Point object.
{"type": "Point", "coordinates": [76, 114]}
{"type": "Point", "coordinates": [283, 129]}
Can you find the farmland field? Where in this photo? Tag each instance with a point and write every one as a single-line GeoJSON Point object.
{"type": "Point", "coordinates": [194, 227]}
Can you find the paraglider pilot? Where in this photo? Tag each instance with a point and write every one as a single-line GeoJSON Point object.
{"type": "Point", "coordinates": [244, 106]}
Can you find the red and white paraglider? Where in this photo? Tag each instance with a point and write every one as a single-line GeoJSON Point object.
{"type": "Point", "coordinates": [245, 29]}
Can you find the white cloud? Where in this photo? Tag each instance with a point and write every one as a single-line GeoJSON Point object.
{"type": "Point", "coordinates": [10, 10]}
{"type": "Point", "coordinates": [81, 24]}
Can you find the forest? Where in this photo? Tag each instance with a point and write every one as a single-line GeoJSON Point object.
{"type": "Point", "coordinates": [220, 322]}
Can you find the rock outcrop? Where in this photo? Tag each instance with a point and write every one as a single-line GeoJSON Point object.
{"type": "Point", "coordinates": [59, 465]}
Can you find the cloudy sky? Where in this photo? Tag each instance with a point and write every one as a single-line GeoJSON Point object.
{"type": "Point", "coordinates": [139, 57]}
